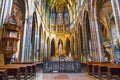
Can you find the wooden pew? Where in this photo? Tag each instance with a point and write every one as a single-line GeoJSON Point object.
{"type": "Point", "coordinates": [91, 66]}
{"type": "Point", "coordinates": [12, 71]}
{"type": "Point", "coordinates": [34, 67]}
{"type": "Point", "coordinates": [114, 69]}
{"type": "Point", "coordinates": [23, 69]}
{"type": "Point", "coordinates": [31, 68]}
{"type": "Point", "coordinates": [95, 68]}
{"type": "Point", "coordinates": [103, 69]}
{"type": "Point", "coordinates": [3, 74]}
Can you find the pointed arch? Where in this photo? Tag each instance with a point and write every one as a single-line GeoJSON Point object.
{"type": "Point", "coordinates": [72, 46]}
{"type": "Point", "coordinates": [87, 36]}
{"type": "Point", "coordinates": [67, 47]}
{"type": "Point", "coordinates": [53, 47]}
{"type": "Point", "coordinates": [81, 39]}
{"type": "Point", "coordinates": [40, 41]}
{"type": "Point", "coordinates": [34, 55]}
{"type": "Point", "coordinates": [48, 47]}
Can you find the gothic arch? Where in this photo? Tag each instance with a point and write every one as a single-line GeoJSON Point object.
{"type": "Point", "coordinates": [53, 47]}
{"type": "Point", "coordinates": [67, 46]}
{"type": "Point", "coordinates": [48, 47]}
{"type": "Point", "coordinates": [21, 16]}
{"type": "Point", "coordinates": [34, 54]}
{"type": "Point", "coordinates": [87, 36]}
{"type": "Point", "coordinates": [73, 44]}
{"type": "Point", "coordinates": [40, 41]}
{"type": "Point", "coordinates": [104, 14]}
{"type": "Point", "coordinates": [81, 38]}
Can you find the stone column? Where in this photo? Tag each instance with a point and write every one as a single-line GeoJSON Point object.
{"type": "Point", "coordinates": [116, 13]}
{"type": "Point", "coordinates": [23, 41]}
{"type": "Point", "coordinates": [99, 46]}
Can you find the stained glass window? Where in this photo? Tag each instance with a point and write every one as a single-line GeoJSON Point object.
{"type": "Point", "coordinates": [1, 4]}
{"type": "Point", "coordinates": [53, 18]}
{"type": "Point", "coordinates": [59, 17]}
{"type": "Point", "coordinates": [66, 16]}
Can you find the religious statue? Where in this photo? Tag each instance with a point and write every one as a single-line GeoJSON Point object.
{"type": "Point", "coordinates": [13, 18]}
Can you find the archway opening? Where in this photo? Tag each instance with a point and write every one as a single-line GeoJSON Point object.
{"type": "Point", "coordinates": [67, 47]}
{"type": "Point", "coordinates": [52, 47]}
{"type": "Point", "coordinates": [73, 47]}
{"type": "Point", "coordinates": [48, 47]}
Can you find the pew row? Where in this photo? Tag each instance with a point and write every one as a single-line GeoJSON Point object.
{"type": "Point", "coordinates": [12, 71]}
{"type": "Point", "coordinates": [20, 70]}
{"type": "Point", "coordinates": [3, 74]}
{"type": "Point", "coordinates": [102, 68]}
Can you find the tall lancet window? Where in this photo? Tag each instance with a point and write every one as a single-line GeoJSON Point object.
{"type": "Point", "coordinates": [66, 17]}
{"type": "Point", "coordinates": [60, 17]}
{"type": "Point", "coordinates": [1, 4]}
{"type": "Point", "coordinates": [53, 19]}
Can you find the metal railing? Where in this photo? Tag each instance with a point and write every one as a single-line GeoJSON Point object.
{"type": "Point", "coordinates": [61, 66]}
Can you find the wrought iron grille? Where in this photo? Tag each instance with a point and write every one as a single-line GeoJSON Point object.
{"type": "Point", "coordinates": [61, 66]}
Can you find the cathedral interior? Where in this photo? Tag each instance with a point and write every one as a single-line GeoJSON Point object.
{"type": "Point", "coordinates": [60, 31]}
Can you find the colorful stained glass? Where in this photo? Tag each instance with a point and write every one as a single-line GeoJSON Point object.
{"type": "Point", "coordinates": [53, 18]}
{"type": "Point", "coordinates": [0, 5]}
{"type": "Point", "coordinates": [66, 18]}
{"type": "Point", "coordinates": [1, 2]}
{"type": "Point", "coordinates": [60, 18]}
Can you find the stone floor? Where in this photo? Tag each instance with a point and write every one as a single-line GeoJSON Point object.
{"type": "Point", "coordinates": [63, 76]}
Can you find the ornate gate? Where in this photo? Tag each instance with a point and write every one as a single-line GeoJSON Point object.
{"type": "Point", "coordinates": [61, 66]}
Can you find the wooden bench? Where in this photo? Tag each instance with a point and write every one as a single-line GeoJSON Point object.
{"type": "Point", "coordinates": [103, 69]}
{"type": "Point", "coordinates": [113, 70]}
{"type": "Point", "coordinates": [91, 66]}
{"type": "Point", "coordinates": [23, 69]}
{"type": "Point", "coordinates": [31, 68]}
{"type": "Point", "coordinates": [95, 67]}
{"type": "Point", "coordinates": [12, 71]}
{"type": "Point", "coordinates": [3, 74]}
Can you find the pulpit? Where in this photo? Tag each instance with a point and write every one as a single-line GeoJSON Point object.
{"type": "Point", "coordinates": [10, 39]}
{"type": "Point", "coordinates": [11, 35]}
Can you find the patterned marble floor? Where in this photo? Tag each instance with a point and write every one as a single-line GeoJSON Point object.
{"type": "Point", "coordinates": [62, 76]}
